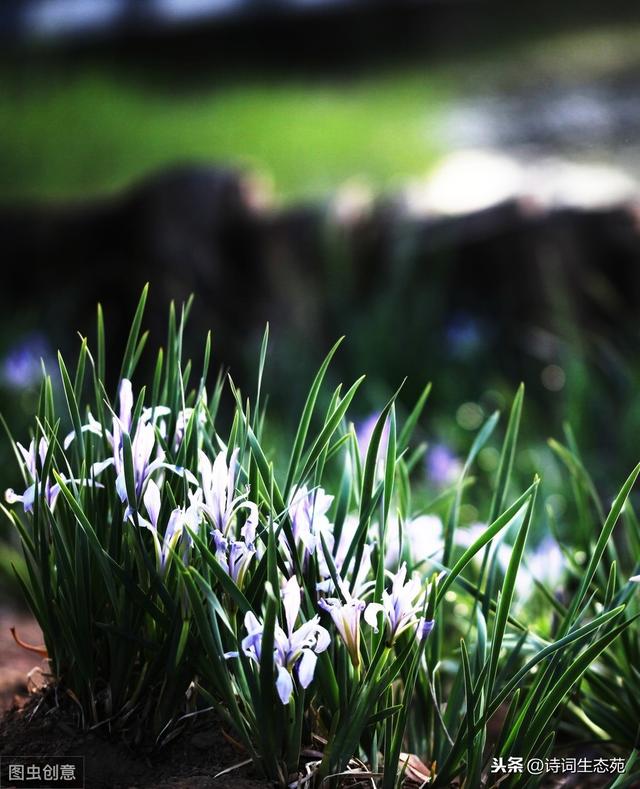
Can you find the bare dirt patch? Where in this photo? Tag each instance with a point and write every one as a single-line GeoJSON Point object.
{"type": "Point", "coordinates": [17, 663]}
{"type": "Point", "coordinates": [31, 724]}
{"type": "Point", "coordinates": [191, 761]}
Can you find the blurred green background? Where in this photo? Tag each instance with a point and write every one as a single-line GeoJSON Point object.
{"type": "Point", "coordinates": [76, 133]}
{"type": "Point", "coordinates": [80, 117]}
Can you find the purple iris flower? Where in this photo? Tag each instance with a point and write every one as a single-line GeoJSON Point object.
{"type": "Point", "coordinates": [400, 606]}
{"type": "Point", "coordinates": [22, 366]}
{"type": "Point", "coordinates": [218, 501]}
{"type": "Point", "coordinates": [183, 418]}
{"type": "Point", "coordinates": [339, 553]}
{"type": "Point", "coordinates": [143, 443]}
{"type": "Point", "coordinates": [295, 650]}
{"type": "Point", "coordinates": [221, 504]}
{"type": "Point", "coordinates": [31, 458]}
{"type": "Point", "coordinates": [346, 617]}
{"type": "Point", "coordinates": [34, 463]}
{"type": "Point", "coordinates": [443, 467]}
{"type": "Point", "coordinates": [308, 515]}
{"type": "Point", "coordinates": [181, 522]}
{"type": "Point", "coordinates": [234, 556]}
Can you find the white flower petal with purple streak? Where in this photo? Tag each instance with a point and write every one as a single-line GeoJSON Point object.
{"type": "Point", "coordinates": [284, 685]}
{"type": "Point", "coordinates": [152, 501]}
{"type": "Point", "coordinates": [307, 667]}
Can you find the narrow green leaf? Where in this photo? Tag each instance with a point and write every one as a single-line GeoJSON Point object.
{"type": "Point", "coordinates": [507, 592]}
{"type": "Point", "coordinates": [129, 361]}
{"type": "Point", "coordinates": [305, 419]}
{"type": "Point", "coordinates": [596, 554]}
{"type": "Point", "coordinates": [484, 538]}
{"type": "Point", "coordinates": [72, 405]}
{"type": "Point", "coordinates": [412, 420]}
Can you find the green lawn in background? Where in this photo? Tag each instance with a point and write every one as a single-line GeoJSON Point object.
{"type": "Point", "coordinates": [66, 134]}
{"type": "Point", "coordinates": [70, 128]}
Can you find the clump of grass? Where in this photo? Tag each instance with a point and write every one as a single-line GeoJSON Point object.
{"type": "Point", "coordinates": [173, 566]}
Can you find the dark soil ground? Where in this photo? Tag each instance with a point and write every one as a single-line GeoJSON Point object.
{"type": "Point", "coordinates": [191, 761]}
{"type": "Point", "coordinates": [29, 727]}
